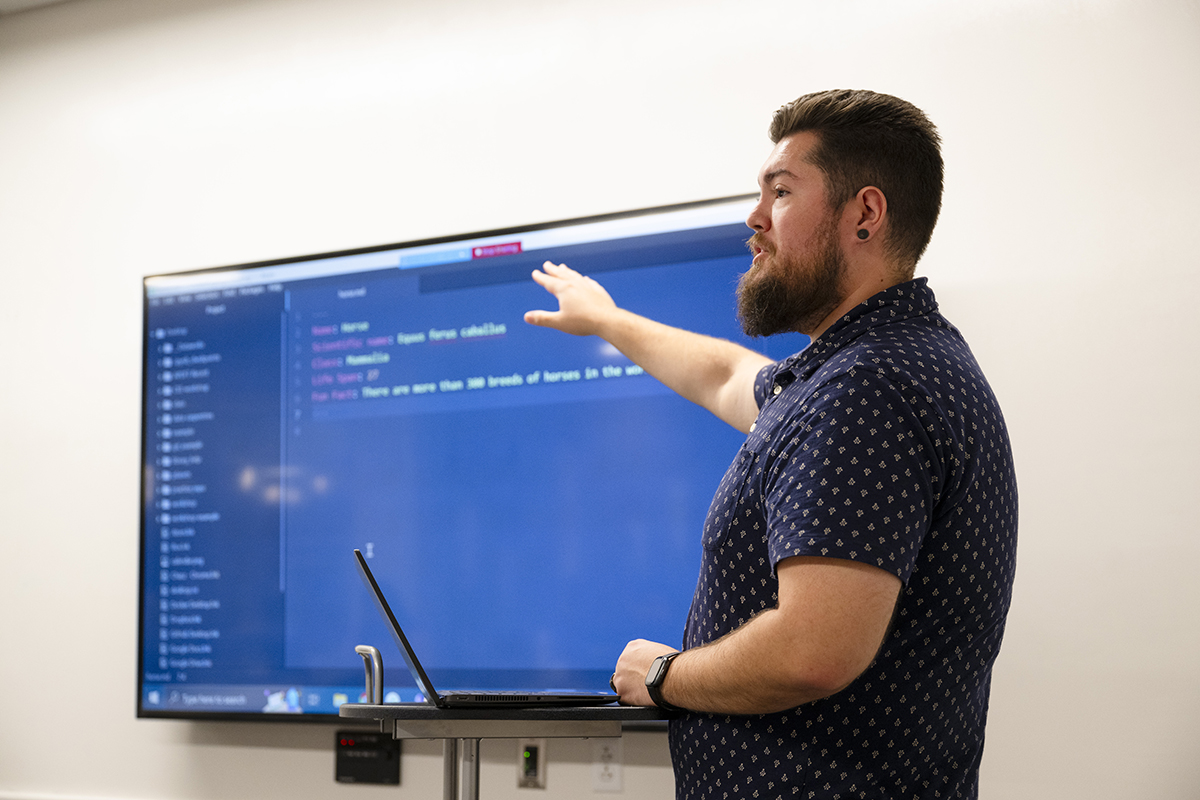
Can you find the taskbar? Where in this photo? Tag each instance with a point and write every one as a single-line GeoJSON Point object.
{"type": "Point", "coordinates": [260, 698]}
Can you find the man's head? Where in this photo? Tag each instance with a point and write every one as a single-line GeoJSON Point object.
{"type": "Point", "coordinates": [848, 200]}
{"type": "Point", "coordinates": [870, 139]}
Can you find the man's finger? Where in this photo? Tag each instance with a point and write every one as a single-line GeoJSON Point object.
{"type": "Point", "coordinates": [540, 318]}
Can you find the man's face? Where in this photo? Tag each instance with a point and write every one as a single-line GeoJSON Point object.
{"type": "Point", "coordinates": [796, 278]}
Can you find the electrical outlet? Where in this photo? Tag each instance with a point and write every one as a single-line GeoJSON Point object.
{"type": "Point", "coordinates": [531, 764]}
{"type": "Point", "coordinates": [606, 765]}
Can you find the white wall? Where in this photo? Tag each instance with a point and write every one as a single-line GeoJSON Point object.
{"type": "Point", "coordinates": [144, 136]}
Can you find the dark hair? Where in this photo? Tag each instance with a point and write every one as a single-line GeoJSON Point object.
{"type": "Point", "coordinates": [871, 139]}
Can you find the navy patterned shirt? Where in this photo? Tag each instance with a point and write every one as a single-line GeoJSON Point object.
{"type": "Point", "coordinates": [881, 443]}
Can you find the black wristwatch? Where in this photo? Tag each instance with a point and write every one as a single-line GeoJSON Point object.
{"type": "Point", "coordinates": [655, 678]}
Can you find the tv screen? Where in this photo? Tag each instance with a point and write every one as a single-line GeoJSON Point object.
{"type": "Point", "coordinates": [529, 500]}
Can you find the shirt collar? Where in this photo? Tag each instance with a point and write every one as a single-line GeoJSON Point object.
{"type": "Point", "coordinates": [901, 302]}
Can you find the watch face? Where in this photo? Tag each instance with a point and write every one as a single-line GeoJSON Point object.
{"type": "Point", "coordinates": [658, 670]}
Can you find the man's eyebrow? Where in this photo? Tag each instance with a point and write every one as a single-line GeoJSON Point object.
{"type": "Point", "coordinates": [773, 174]}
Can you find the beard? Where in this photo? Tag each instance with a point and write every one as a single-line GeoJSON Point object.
{"type": "Point", "coordinates": [790, 293]}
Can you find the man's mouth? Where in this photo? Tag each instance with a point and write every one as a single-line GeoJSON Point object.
{"type": "Point", "coordinates": [758, 248]}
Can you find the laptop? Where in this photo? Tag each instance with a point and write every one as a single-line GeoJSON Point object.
{"type": "Point", "coordinates": [517, 699]}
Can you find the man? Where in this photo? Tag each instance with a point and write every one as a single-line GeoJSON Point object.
{"type": "Point", "coordinates": [858, 556]}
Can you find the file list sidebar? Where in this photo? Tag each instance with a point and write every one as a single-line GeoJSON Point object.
{"type": "Point", "coordinates": [212, 501]}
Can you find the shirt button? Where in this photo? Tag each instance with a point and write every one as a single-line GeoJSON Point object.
{"type": "Point", "coordinates": [753, 425]}
{"type": "Point", "coordinates": [778, 389]}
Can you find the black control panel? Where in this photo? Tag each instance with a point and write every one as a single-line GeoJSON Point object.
{"type": "Point", "coordinates": [365, 757]}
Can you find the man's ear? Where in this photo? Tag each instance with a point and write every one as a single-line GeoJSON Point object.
{"type": "Point", "coordinates": [867, 212]}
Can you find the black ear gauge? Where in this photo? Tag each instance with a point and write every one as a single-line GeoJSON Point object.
{"type": "Point", "coordinates": [863, 233]}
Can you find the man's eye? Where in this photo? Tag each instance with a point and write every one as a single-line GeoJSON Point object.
{"type": "Point", "coordinates": [780, 192]}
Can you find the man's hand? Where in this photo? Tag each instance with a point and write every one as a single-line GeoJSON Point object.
{"type": "Point", "coordinates": [582, 303]}
{"type": "Point", "coordinates": [712, 373]}
{"type": "Point", "coordinates": [632, 666]}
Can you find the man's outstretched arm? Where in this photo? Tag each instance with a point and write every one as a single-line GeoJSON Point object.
{"type": "Point", "coordinates": [713, 373]}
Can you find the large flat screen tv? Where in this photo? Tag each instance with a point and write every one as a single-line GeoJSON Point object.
{"type": "Point", "coordinates": [530, 501]}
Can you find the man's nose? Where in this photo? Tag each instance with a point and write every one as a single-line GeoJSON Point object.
{"type": "Point", "coordinates": [758, 219]}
